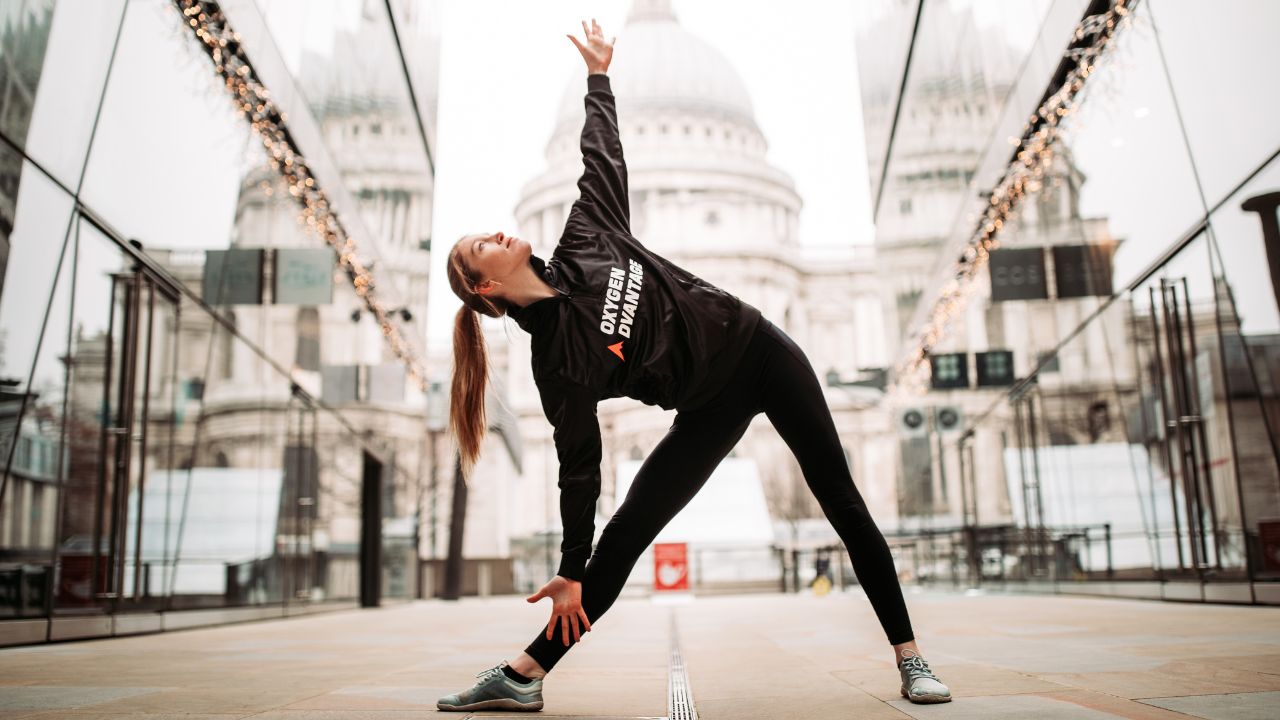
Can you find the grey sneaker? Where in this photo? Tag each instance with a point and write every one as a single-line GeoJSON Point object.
{"type": "Point", "coordinates": [495, 691]}
{"type": "Point", "coordinates": [919, 684]}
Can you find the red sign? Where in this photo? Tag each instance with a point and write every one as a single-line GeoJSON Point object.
{"type": "Point", "coordinates": [670, 566]}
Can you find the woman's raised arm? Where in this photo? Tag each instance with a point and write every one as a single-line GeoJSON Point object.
{"type": "Point", "coordinates": [603, 203]}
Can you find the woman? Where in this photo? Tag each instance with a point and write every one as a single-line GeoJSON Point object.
{"type": "Point", "coordinates": [607, 318]}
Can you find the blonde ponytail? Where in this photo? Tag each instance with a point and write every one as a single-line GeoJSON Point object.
{"type": "Point", "coordinates": [467, 419]}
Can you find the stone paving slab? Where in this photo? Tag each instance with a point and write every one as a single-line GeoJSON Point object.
{"type": "Point", "coordinates": [1241, 706]}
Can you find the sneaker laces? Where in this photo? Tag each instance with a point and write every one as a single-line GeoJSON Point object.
{"type": "Point", "coordinates": [917, 667]}
{"type": "Point", "coordinates": [495, 670]}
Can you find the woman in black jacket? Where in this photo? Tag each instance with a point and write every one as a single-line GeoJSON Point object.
{"type": "Point", "coordinates": [609, 318]}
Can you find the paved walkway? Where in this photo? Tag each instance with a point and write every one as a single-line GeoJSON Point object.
{"type": "Point", "coordinates": [757, 656]}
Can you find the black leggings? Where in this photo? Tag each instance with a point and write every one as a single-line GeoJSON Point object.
{"type": "Point", "coordinates": [773, 377]}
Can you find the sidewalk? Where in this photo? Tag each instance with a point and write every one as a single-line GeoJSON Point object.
{"type": "Point", "coordinates": [756, 656]}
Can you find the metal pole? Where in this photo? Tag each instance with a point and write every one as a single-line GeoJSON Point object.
{"type": "Point", "coordinates": [142, 450]}
{"type": "Point", "coordinates": [1146, 435]}
{"type": "Point", "coordinates": [1177, 369]}
{"type": "Point", "coordinates": [100, 496]}
{"type": "Point", "coordinates": [124, 442]}
{"type": "Point", "coordinates": [1197, 413]}
{"type": "Point", "coordinates": [1166, 423]}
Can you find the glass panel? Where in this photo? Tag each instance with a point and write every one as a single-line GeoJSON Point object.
{"type": "Point", "coordinates": [1247, 243]}
{"type": "Point", "coordinates": [1126, 139]}
{"type": "Point", "coordinates": [34, 309]}
{"type": "Point", "coordinates": [966, 58]}
{"type": "Point", "coordinates": [1118, 459]}
{"type": "Point", "coordinates": [1223, 74]}
{"type": "Point", "coordinates": [151, 442]}
{"type": "Point", "coordinates": [32, 237]}
{"type": "Point", "coordinates": [93, 410]}
{"type": "Point", "coordinates": [337, 532]}
{"type": "Point", "coordinates": [171, 159]}
{"type": "Point", "coordinates": [75, 67]}
{"type": "Point", "coordinates": [343, 57]}
{"type": "Point", "coordinates": [1191, 445]}
{"type": "Point", "coordinates": [883, 39]}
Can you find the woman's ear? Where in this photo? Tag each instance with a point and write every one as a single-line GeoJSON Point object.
{"type": "Point", "coordinates": [486, 287]}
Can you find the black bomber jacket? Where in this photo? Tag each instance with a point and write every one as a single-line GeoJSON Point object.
{"type": "Point", "coordinates": [624, 322]}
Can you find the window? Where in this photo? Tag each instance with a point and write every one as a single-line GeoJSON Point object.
{"type": "Point", "coordinates": [307, 356]}
{"type": "Point", "coordinates": [904, 206]}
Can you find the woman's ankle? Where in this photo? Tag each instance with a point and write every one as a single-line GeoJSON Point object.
{"type": "Point", "coordinates": [905, 649]}
{"type": "Point", "coordinates": [527, 666]}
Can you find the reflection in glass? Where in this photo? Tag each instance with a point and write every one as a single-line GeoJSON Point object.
{"type": "Point", "coordinates": [79, 54]}
{"type": "Point", "coordinates": [344, 59]}
{"type": "Point", "coordinates": [1126, 140]}
{"type": "Point", "coordinates": [170, 155]}
{"type": "Point", "coordinates": [964, 61]}
{"type": "Point", "coordinates": [24, 37]}
{"type": "Point", "coordinates": [34, 304]}
{"type": "Point", "coordinates": [1224, 75]}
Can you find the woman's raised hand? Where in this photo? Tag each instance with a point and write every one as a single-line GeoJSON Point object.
{"type": "Point", "coordinates": [596, 52]}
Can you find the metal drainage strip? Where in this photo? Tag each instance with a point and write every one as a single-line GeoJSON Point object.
{"type": "Point", "coordinates": [679, 694]}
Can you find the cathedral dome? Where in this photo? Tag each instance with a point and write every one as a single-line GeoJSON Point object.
{"type": "Point", "coordinates": [661, 66]}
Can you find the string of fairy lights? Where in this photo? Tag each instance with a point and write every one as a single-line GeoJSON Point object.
{"type": "Point", "coordinates": [1024, 175]}
{"type": "Point", "coordinates": [253, 100]}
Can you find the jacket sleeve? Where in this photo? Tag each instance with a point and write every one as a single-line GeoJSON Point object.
{"type": "Point", "coordinates": [572, 412]}
{"type": "Point", "coordinates": [603, 203]}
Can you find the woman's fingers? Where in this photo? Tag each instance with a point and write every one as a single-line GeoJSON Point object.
{"type": "Point", "coordinates": [577, 633]}
{"type": "Point", "coordinates": [576, 43]}
{"type": "Point", "coordinates": [585, 622]}
{"type": "Point", "coordinates": [586, 30]}
{"type": "Point", "coordinates": [564, 629]}
{"type": "Point", "coordinates": [596, 27]}
{"type": "Point", "coordinates": [550, 625]}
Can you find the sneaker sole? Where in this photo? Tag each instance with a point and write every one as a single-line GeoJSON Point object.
{"type": "Point", "coordinates": [925, 699]}
{"type": "Point", "coordinates": [496, 704]}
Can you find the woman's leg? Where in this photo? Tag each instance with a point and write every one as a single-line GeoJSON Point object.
{"type": "Point", "coordinates": [672, 474]}
{"type": "Point", "coordinates": [794, 403]}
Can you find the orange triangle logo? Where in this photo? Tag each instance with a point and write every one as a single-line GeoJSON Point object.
{"type": "Point", "coordinates": [617, 349]}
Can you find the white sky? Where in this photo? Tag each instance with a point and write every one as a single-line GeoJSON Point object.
{"type": "Point", "coordinates": [505, 64]}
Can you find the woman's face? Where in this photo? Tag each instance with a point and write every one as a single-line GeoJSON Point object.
{"type": "Point", "coordinates": [493, 256]}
